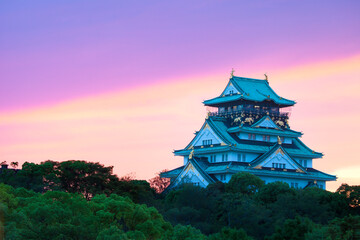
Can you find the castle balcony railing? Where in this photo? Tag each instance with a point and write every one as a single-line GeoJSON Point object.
{"type": "Point", "coordinates": [250, 116]}
{"type": "Point", "coordinates": [250, 112]}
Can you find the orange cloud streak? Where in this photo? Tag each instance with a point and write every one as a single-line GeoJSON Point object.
{"type": "Point", "coordinates": [136, 130]}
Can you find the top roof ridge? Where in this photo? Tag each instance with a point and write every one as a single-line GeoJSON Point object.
{"type": "Point", "coordinates": [250, 79]}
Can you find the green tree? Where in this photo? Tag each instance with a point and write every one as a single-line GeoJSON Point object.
{"type": "Point", "coordinates": [62, 215]}
{"type": "Point", "coordinates": [84, 177]}
{"type": "Point", "coordinates": [227, 233]}
{"type": "Point", "coordinates": [191, 205]}
{"type": "Point", "coordinates": [53, 215]}
{"type": "Point", "coordinates": [188, 232]}
{"type": "Point", "coordinates": [293, 229]}
{"type": "Point", "coordinates": [112, 233]}
{"type": "Point", "coordinates": [347, 228]}
{"type": "Point", "coordinates": [352, 194]}
{"type": "Point", "coordinates": [242, 211]}
{"type": "Point", "coordinates": [133, 217]}
{"type": "Point", "coordinates": [30, 177]}
{"type": "Point", "coordinates": [138, 190]}
{"type": "Point", "coordinates": [319, 205]}
{"type": "Point", "coordinates": [245, 183]}
{"type": "Point", "coordinates": [270, 192]}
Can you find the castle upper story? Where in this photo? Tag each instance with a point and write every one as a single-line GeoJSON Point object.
{"type": "Point", "coordinates": [245, 100]}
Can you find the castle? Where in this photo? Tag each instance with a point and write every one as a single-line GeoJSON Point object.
{"type": "Point", "coordinates": [247, 130]}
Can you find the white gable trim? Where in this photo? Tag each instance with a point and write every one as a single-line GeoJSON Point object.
{"type": "Point", "coordinates": [279, 156]}
{"type": "Point", "coordinates": [267, 122]}
{"type": "Point", "coordinates": [206, 133]}
{"type": "Point", "coordinates": [230, 87]}
{"type": "Point", "coordinates": [190, 175]}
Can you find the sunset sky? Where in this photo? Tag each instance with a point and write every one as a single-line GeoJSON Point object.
{"type": "Point", "coordinates": [121, 82]}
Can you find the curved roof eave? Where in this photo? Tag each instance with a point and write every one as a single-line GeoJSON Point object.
{"type": "Point", "coordinates": [263, 89]}
{"type": "Point", "coordinates": [273, 132]}
{"type": "Point", "coordinates": [242, 97]}
{"type": "Point", "coordinates": [307, 148]}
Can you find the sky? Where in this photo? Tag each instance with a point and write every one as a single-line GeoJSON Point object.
{"type": "Point", "coordinates": [122, 82]}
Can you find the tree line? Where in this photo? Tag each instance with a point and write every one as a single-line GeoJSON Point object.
{"type": "Point", "coordinates": [85, 200]}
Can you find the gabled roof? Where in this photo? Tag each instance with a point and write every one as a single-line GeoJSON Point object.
{"type": "Point", "coordinates": [198, 164]}
{"type": "Point", "coordinates": [276, 148]}
{"type": "Point", "coordinates": [218, 127]}
{"type": "Point", "coordinates": [250, 89]}
{"type": "Point", "coordinates": [265, 121]}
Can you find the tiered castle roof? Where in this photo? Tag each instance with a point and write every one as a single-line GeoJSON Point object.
{"type": "Point", "coordinates": [232, 142]}
{"type": "Point", "coordinates": [247, 107]}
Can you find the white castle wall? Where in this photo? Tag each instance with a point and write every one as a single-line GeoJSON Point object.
{"type": "Point", "coordinates": [259, 137]}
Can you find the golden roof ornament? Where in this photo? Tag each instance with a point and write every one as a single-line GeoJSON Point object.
{"type": "Point", "coordinates": [279, 140]}
{"type": "Point", "coordinates": [232, 73]}
{"type": "Point", "coordinates": [266, 76]}
{"type": "Point", "coordinates": [191, 154]}
{"type": "Point", "coordinates": [208, 115]}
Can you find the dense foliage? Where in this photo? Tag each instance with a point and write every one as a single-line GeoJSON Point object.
{"type": "Point", "coordinates": [82, 200]}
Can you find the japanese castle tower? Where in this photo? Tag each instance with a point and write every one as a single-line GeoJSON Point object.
{"type": "Point", "coordinates": [247, 130]}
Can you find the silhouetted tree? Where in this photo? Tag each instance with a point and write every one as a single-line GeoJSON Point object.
{"type": "Point", "coordinates": [158, 183]}
{"type": "Point", "coordinates": [14, 164]}
{"type": "Point", "coordinates": [352, 194]}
